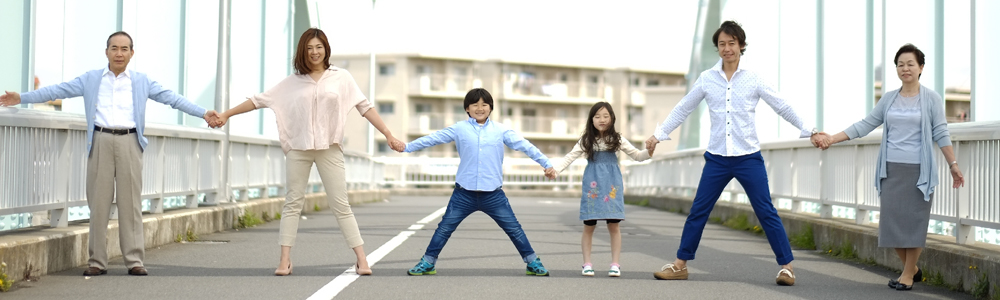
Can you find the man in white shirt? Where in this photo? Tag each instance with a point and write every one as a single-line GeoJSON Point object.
{"type": "Point", "coordinates": [731, 93]}
{"type": "Point", "coordinates": [115, 104]}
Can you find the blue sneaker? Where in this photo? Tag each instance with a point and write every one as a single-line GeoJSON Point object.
{"type": "Point", "coordinates": [536, 268]}
{"type": "Point", "coordinates": [423, 268]}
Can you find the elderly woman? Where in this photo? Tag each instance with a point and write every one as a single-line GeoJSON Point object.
{"type": "Point", "coordinates": [311, 107]}
{"type": "Point", "coordinates": [914, 122]}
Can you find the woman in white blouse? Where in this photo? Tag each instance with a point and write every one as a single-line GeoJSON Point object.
{"type": "Point", "coordinates": [311, 107]}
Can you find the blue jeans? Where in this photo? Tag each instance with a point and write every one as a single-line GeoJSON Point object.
{"type": "Point", "coordinates": [462, 204]}
{"type": "Point", "coordinates": [750, 172]}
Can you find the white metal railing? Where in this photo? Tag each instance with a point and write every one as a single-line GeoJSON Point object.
{"type": "Point", "coordinates": [43, 164]}
{"type": "Point", "coordinates": [844, 175]}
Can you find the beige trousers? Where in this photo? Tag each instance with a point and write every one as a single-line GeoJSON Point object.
{"type": "Point", "coordinates": [330, 164]}
{"type": "Point", "coordinates": [114, 168]}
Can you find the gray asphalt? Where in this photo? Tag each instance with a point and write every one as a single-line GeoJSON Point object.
{"type": "Point", "coordinates": [479, 262]}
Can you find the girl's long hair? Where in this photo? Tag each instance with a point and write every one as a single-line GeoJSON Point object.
{"type": "Point", "coordinates": [591, 135]}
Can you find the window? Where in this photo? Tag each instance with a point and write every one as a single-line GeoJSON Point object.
{"type": "Point", "coordinates": [653, 82]}
{"type": "Point", "coordinates": [594, 79]}
{"type": "Point", "coordinates": [387, 69]}
{"type": "Point", "coordinates": [528, 112]}
{"type": "Point", "coordinates": [383, 147]}
{"type": "Point", "coordinates": [636, 82]}
{"type": "Point", "coordinates": [423, 108]}
{"type": "Point", "coordinates": [461, 71]}
{"type": "Point", "coordinates": [563, 77]}
{"type": "Point", "coordinates": [422, 69]}
{"type": "Point", "coordinates": [387, 108]}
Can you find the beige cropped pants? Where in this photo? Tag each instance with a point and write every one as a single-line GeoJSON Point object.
{"type": "Point", "coordinates": [330, 164]}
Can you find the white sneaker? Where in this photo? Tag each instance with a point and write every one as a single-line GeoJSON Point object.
{"type": "Point", "coordinates": [615, 271]}
{"type": "Point", "coordinates": [588, 270]}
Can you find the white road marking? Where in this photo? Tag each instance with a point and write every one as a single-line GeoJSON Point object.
{"type": "Point", "coordinates": [338, 284]}
{"type": "Point", "coordinates": [433, 216]}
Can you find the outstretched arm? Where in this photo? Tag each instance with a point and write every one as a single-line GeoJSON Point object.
{"type": "Point", "coordinates": [10, 99]}
{"type": "Point", "coordinates": [442, 136]}
{"type": "Point", "coordinates": [781, 107]}
{"type": "Point", "coordinates": [570, 157]}
{"type": "Point", "coordinates": [223, 118]}
{"type": "Point", "coordinates": [69, 89]}
{"type": "Point", "coordinates": [681, 111]}
{"type": "Point", "coordinates": [376, 120]}
{"type": "Point", "coordinates": [516, 142]}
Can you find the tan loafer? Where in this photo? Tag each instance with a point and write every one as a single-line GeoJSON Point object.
{"type": "Point", "coordinates": [358, 270]}
{"type": "Point", "coordinates": [785, 277]}
{"type": "Point", "coordinates": [671, 272]}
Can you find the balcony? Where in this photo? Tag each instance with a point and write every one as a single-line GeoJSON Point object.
{"type": "Point", "coordinates": [443, 85]}
{"type": "Point", "coordinates": [552, 128]}
{"type": "Point", "coordinates": [530, 90]}
{"type": "Point", "coordinates": [425, 123]}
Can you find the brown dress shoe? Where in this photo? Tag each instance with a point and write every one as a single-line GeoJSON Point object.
{"type": "Point", "coordinates": [138, 271]}
{"type": "Point", "coordinates": [94, 271]}
{"type": "Point", "coordinates": [671, 272]}
{"type": "Point", "coordinates": [785, 277]}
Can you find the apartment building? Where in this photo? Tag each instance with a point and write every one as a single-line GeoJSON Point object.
{"type": "Point", "coordinates": [547, 104]}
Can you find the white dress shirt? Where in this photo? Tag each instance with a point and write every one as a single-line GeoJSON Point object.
{"type": "Point", "coordinates": [114, 101]}
{"type": "Point", "coordinates": [731, 105]}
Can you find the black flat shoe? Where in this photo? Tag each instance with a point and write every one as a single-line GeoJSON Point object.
{"type": "Point", "coordinates": [919, 276]}
{"type": "Point", "coordinates": [893, 283]}
{"type": "Point", "coordinates": [903, 287]}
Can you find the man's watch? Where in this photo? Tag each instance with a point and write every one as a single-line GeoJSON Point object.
{"type": "Point", "coordinates": [814, 131]}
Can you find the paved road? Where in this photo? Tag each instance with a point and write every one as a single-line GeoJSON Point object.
{"type": "Point", "coordinates": [479, 262]}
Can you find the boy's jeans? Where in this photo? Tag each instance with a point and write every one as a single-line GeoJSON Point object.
{"type": "Point", "coordinates": [462, 204]}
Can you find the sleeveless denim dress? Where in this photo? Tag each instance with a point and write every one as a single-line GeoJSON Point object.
{"type": "Point", "coordinates": [602, 188]}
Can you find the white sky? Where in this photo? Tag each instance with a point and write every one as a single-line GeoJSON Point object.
{"type": "Point", "coordinates": [640, 34]}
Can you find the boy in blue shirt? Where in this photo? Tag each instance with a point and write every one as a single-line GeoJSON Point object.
{"type": "Point", "coordinates": [478, 184]}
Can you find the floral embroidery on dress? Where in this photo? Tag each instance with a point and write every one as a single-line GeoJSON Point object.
{"type": "Point", "coordinates": [593, 193]}
{"type": "Point", "coordinates": [614, 192]}
{"type": "Point", "coordinates": [606, 199]}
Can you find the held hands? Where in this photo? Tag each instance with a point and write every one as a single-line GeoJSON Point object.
{"type": "Point", "coordinates": [821, 140]}
{"type": "Point", "coordinates": [651, 144]}
{"type": "Point", "coordinates": [214, 119]}
{"type": "Point", "coordinates": [396, 145]}
{"type": "Point", "coordinates": [550, 173]}
{"type": "Point", "coordinates": [10, 99]}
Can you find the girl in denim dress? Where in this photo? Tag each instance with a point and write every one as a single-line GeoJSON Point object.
{"type": "Point", "coordinates": [602, 197]}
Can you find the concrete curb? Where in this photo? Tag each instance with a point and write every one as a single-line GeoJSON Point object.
{"type": "Point", "coordinates": [959, 266]}
{"type": "Point", "coordinates": [41, 251]}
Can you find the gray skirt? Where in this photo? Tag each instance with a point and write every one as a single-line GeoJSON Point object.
{"type": "Point", "coordinates": [904, 216]}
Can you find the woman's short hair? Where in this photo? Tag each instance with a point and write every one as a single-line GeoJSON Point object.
{"type": "Point", "coordinates": [910, 48]}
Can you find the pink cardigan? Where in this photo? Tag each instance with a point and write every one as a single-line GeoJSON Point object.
{"type": "Point", "coordinates": [310, 114]}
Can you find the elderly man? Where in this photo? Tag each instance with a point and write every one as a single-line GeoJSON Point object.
{"type": "Point", "coordinates": [115, 102]}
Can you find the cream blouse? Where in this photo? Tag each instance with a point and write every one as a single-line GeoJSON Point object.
{"type": "Point", "coordinates": [311, 114]}
{"type": "Point", "coordinates": [626, 146]}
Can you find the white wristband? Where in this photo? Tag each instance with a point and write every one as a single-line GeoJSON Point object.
{"type": "Point", "coordinates": [953, 163]}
